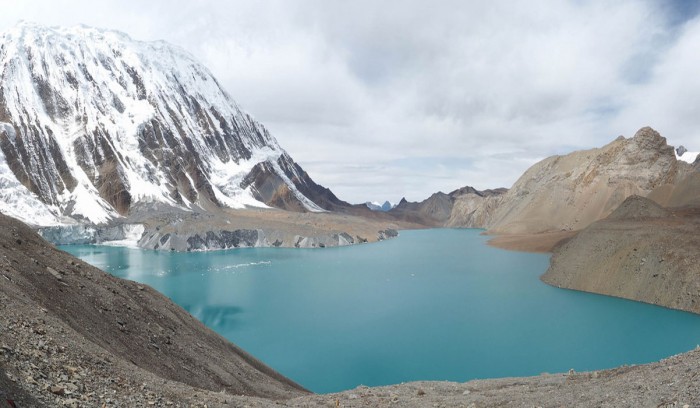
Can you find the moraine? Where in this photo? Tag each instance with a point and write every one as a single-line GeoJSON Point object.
{"type": "Point", "coordinates": [430, 305]}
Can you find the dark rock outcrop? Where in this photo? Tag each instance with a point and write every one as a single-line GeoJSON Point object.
{"type": "Point", "coordinates": [273, 188]}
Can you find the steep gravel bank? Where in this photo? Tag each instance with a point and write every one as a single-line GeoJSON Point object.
{"type": "Point", "coordinates": [72, 334]}
{"type": "Point", "coordinates": [641, 252]}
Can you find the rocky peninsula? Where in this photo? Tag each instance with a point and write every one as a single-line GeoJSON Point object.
{"type": "Point", "coordinates": [642, 252]}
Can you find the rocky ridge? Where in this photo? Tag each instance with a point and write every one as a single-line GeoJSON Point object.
{"type": "Point", "coordinates": [251, 238]}
{"type": "Point", "coordinates": [260, 228]}
{"type": "Point", "coordinates": [568, 193]}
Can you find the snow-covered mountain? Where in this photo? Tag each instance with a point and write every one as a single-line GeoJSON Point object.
{"type": "Point", "coordinates": [377, 206]}
{"type": "Point", "coordinates": [93, 123]}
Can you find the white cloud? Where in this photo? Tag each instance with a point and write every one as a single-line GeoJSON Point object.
{"type": "Point", "coordinates": [669, 101]}
{"type": "Point", "coordinates": [378, 100]}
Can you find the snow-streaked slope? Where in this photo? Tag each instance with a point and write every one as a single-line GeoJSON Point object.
{"type": "Point", "coordinates": [16, 201]}
{"type": "Point", "coordinates": [94, 122]}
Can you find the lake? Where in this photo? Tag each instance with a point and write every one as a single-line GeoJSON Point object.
{"type": "Point", "coordinates": [429, 305]}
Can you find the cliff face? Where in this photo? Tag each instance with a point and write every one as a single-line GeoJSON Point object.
{"type": "Point", "coordinates": [641, 252]}
{"type": "Point", "coordinates": [475, 210]}
{"type": "Point", "coordinates": [682, 190]}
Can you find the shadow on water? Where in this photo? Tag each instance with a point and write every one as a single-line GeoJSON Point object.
{"type": "Point", "coordinates": [223, 317]}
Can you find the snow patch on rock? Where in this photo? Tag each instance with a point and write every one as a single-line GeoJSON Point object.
{"type": "Point", "coordinates": [18, 202]}
{"type": "Point", "coordinates": [683, 154]}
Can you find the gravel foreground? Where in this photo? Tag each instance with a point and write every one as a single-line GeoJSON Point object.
{"type": "Point", "coordinates": [71, 335]}
{"type": "Point", "coordinates": [672, 382]}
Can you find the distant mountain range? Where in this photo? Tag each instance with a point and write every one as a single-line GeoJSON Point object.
{"type": "Point", "coordinates": [447, 210]}
{"type": "Point", "coordinates": [95, 126]}
{"type": "Point", "coordinates": [376, 206]}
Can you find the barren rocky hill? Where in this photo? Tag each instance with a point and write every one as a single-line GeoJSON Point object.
{"type": "Point", "coordinates": [684, 190]}
{"type": "Point", "coordinates": [475, 209]}
{"type": "Point", "coordinates": [570, 192]}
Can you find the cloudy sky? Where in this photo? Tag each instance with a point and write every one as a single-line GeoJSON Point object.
{"type": "Point", "coordinates": [384, 99]}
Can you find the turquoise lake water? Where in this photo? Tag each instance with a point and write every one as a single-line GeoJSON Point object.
{"type": "Point", "coordinates": [429, 305]}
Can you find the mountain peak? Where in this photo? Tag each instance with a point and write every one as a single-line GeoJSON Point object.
{"type": "Point", "coordinates": [93, 122]}
{"type": "Point", "coordinates": [25, 31]}
{"type": "Point", "coordinates": [649, 138]}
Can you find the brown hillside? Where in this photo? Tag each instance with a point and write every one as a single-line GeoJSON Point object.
{"type": "Point", "coordinates": [93, 337]}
